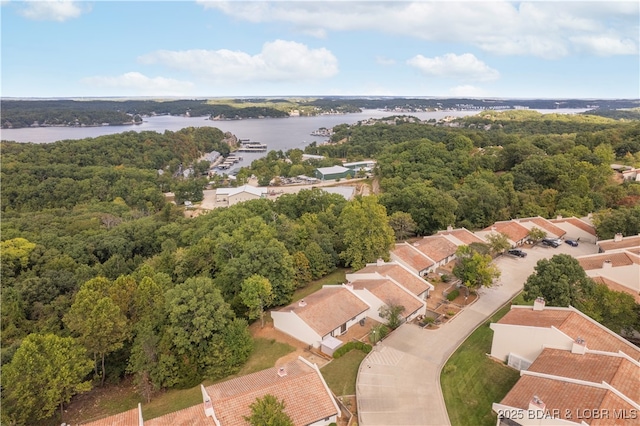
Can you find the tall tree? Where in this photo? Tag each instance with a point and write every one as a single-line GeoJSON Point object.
{"type": "Point", "coordinates": [393, 314]}
{"type": "Point", "coordinates": [561, 281]}
{"type": "Point", "coordinates": [45, 372]}
{"type": "Point", "coordinates": [255, 295]}
{"type": "Point", "coordinates": [536, 234]}
{"type": "Point", "coordinates": [403, 225]}
{"type": "Point", "coordinates": [498, 242]}
{"type": "Point", "coordinates": [615, 310]}
{"type": "Point", "coordinates": [97, 320]}
{"type": "Point", "coordinates": [268, 411]}
{"type": "Point", "coordinates": [365, 231]}
{"type": "Point", "coordinates": [474, 269]}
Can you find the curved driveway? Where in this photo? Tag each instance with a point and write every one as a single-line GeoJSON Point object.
{"type": "Point", "coordinates": [399, 381]}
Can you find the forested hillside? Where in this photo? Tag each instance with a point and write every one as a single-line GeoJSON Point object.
{"type": "Point", "coordinates": [99, 267]}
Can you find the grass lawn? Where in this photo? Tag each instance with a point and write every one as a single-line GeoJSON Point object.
{"type": "Point", "coordinates": [340, 374]}
{"type": "Point", "coordinates": [336, 277]}
{"type": "Point", "coordinates": [265, 354]}
{"type": "Point", "coordinates": [471, 381]}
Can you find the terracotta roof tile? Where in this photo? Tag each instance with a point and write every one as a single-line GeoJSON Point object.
{"type": "Point", "coordinates": [627, 242]}
{"type": "Point", "coordinates": [545, 225]}
{"type": "Point", "coordinates": [328, 308]}
{"type": "Point", "coordinates": [303, 391]}
{"type": "Point", "coordinates": [578, 223]}
{"type": "Point", "coordinates": [399, 273]}
{"type": "Point", "coordinates": [511, 229]}
{"type": "Point", "coordinates": [464, 235]}
{"type": "Point", "coordinates": [565, 398]}
{"type": "Point", "coordinates": [192, 416]}
{"type": "Point", "coordinates": [616, 259]}
{"type": "Point", "coordinates": [574, 325]}
{"type": "Point", "coordinates": [390, 294]}
{"type": "Point", "coordinates": [412, 257]}
{"type": "Point", "coordinates": [619, 372]}
{"type": "Point", "coordinates": [436, 247]}
{"type": "Point", "coordinates": [127, 418]}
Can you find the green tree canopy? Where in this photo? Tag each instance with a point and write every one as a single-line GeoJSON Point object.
{"type": "Point", "coordinates": [255, 295]}
{"type": "Point", "coordinates": [365, 231]}
{"type": "Point", "coordinates": [561, 281]}
{"type": "Point", "coordinates": [403, 225]}
{"type": "Point", "coordinates": [474, 269]}
{"type": "Point", "coordinates": [45, 372]}
{"type": "Point", "coordinates": [268, 411]}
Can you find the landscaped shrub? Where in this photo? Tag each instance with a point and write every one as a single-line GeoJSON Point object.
{"type": "Point", "coordinates": [445, 278]}
{"type": "Point", "coordinates": [348, 347]}
{"type": "Point", "coordinates": [426, 321]}
{"type": "Point", "coordinates": [378, 333]}
{"type": "Point", "coordinates": [452, 296]}
{"type": "Point", "coordinates": [451, 313]}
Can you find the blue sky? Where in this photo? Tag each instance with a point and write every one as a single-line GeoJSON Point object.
{"type": "Point", "coordinates": [529, 49]}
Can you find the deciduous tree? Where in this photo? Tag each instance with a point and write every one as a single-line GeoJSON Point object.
{"type": "Point", "coordinates": [474, 269]}
{"type": "Point", "coordinates": [255, 295]}
{"type": "Point", "coordinates": [268, 411]}
{"type": "Point", "coordinates": [45, 372]}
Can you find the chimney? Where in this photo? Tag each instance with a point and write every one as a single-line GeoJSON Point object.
{"type": "Point", "coordinates": [493, 228]}
{"type": "Point", "coordinates": [302, 303]}
{"type": "Point", "coordinates": [379, 262]}
{"type": "Point", "coordinates": [536, 405]}
{"type": "Point", "coordinates": [618, 237]}
{"type": "Point", "coordinates": [607, 264]}
{"type": "Point", "coordinates": [590, 216]}
{"type": "Point", "coordinates": [538, 304]}
{"type": "Point", "coordinates": [449, 228]}
{"type": "Point", "coordinates": [579, 346]}
{"type": "Point", "coordinates": [282, 372]}
{"type": "Point", "coordinates": [559, 217]}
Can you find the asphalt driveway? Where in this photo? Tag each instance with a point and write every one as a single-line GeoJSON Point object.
{"type": "Point", "coordinates": [399, 381]}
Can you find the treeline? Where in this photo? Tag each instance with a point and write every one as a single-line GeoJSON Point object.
{"type": "Point", "coordinates": [17, 114]}
{"type": "Point", "coordinates": [469, 177]}
{"type": "Point", "coordinates": [125, 166]}
{"type": "Point", "coordinates": [156, 295]}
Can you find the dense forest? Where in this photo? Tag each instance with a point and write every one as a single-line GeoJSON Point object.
{"type": "Point", "coordinates": [102, 278]}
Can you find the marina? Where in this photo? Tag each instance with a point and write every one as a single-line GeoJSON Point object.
{"type": "Point", "coordinates": [248, 146]}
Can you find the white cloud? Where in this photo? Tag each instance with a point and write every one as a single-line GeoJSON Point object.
{"type": "Point", "coordinates": [140, 84]}
{"type": "Point", "coordinates": [462, 67]}
{"type": "Point", "coordinates": [52, 10]}
{"type": "Point", "coordinates": [279, 60]}
{"type": "Point", "coordinates": [547, 29]}
{"type": "Point", "coordinates": [606, 46]}
{"type": "Point", "coordinates": [467, 91]}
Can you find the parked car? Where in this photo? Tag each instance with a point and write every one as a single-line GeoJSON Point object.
{"type": "Point", "coordinates": [517, 252]}
{"type": "Point", "coordinates": [550, 242]}
{"type": "Point", "coordinates": [572, 243]}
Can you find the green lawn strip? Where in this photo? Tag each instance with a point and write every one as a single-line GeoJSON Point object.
{"type": "Point", "coordinates": [170, 401]}
{"type": "Point", "coordinates": [265, 354]}
{"type": "Point", "coordinates": [471, 381]}
{"type": "Point", "coordinates": [335, 277]}
{"type": "Point", "coordinates": [340, 374]}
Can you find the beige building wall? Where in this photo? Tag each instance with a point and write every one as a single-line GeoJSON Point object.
{"type": "Point", "coordinates": [526, 342]}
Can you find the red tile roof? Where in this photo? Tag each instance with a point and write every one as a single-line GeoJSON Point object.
{"type": "Point", "coordinates": [566, 399]}
{"type": "Point", "coordinates": [464, 235]}
{"type": "Point", "coordinates": [399, 273]}
{"type": "Point", "coordinates": [412, 257]}
{"type": "Point", "coordinates": [304, 393]}
{"type": "Point", "coordinates": [626, 242]}
{"type": "Point", "coordinates": [545, 225]}
{"type": "Point", "coordinates": [436, 247]}
{"type": "Point", "coordinates": [619, 372]}
{"type": "Point", "coordinates": [575, 325]}
{"type": "Point", "coordinates": [617, 259]}
{"type": "Point", "coordinates": [578, 223]}
{"type": "Point", "coordinates": [390, 294]}
{"type": "Point", "coordinates": [511, 229]}
{"type": "Point", "coordinates": [328, 308]}
{"type": "Point", "coordinates": [192, 416]}
{"type": "Point", "coordinates": [127, 418]}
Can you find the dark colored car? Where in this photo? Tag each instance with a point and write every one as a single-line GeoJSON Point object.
{"type": "Point", "coordinates": [550, 242]}
{"type": "Point", "coordinates": [517, 252]}
{"type": "Point", "coordinates": [572, 243]}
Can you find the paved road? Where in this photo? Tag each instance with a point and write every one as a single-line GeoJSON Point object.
{"type": "Point", "coordinates": [399, 381]}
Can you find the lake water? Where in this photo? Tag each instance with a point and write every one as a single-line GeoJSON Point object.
{"type": "Point", "coordinates": [278, 133]}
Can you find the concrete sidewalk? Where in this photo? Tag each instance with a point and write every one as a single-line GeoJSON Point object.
{"type": "Point", "coordinates": [399, 381]}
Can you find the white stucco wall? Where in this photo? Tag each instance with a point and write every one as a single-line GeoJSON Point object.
{"type": "Point", "coordinates": [294, 326]}
{"type": "Point", "coordinates": [242, 196]}
{"type": "Point", "coordinates": [373, 301]}
{"type": "Point", "coordinates": [524, 341]}
{"type": "Point", "coordinates": [350, 323]}
{"type": "Point", "coordinates": [573, 232]}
